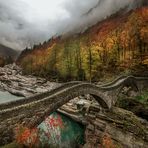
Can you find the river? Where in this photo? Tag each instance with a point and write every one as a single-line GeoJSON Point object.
{"type": "Point", "coordinates": [7, 97]}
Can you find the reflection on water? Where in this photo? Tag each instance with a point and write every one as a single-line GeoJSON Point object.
{"type": "Point", "coordinates": [7, 97]}
{"type": "Point", "coordinates": [60, 131]}
{"type": "Point", "coordinates": [56, 131]}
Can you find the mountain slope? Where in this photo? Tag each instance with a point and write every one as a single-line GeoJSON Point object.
{"type": "Point", "coordinates": [6, 51]}
{"type": "Point", "coordinates": [7, 55]}
{"type": "Point", "coordinates": [117, 44]}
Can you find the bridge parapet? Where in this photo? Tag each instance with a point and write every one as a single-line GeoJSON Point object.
{"type": "Point", "coordinates": [32, 111]}
{"type": "Point", "coordinates": [37, 96]}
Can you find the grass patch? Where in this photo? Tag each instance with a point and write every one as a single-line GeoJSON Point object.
{"type": "Point", "coordinates": [143, 98]}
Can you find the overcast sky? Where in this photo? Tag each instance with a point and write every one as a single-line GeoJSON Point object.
{"type": "Point", "coordinates": [27, 22]}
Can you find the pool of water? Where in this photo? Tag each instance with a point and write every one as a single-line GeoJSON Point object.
{"type": "Point", "coordinates": [7, 97]}
{"type": "Point", "coordinates": [60, 131]}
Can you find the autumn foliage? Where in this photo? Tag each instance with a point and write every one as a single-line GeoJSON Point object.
{"type": "Point", "coordinates": [26, 136]}
{"type": "Point", "coordinates": [107, 142]}
{"type": "Point", "coordinates": [113, 45]}
{"type": "Point", "coordinates": [39, 137]}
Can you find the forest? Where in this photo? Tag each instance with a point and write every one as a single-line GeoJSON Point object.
{"type": "Point", "coordinates": [116, 45]}
{"type": "Point", "coordinates": [5, 60]}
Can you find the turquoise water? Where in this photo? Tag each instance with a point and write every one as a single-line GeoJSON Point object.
{"type": "Point", "coordinates": [56, 131]}
{"type": "Point", "coordinates": [7, 97]}
{"type": "Point", "coordinates": [60, 131]}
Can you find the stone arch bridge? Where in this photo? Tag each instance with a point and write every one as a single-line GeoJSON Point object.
{"type": "Point", "coordinates": [33, 110]}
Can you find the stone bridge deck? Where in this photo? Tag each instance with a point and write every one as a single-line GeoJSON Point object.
{"type": "Point", "coordinates": [33, 110]}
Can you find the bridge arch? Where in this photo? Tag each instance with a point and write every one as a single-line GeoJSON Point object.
{"type": "Point", "coordinates": [64, 97]}
{"type": "Point", "coordinates": [33, 110]}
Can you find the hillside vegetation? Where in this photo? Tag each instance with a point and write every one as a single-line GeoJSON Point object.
{"type": "Point", "coordinates": [5, 60]}
{"type": "Point", "coordinates": [115, 45]}
{"type": "Point", "coordinates": [7, 55]}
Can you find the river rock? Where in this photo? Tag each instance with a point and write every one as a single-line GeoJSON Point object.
{"type": "Point", "coordinates": [12, 80]}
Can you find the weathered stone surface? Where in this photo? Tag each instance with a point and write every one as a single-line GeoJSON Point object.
{"type": "Point", "coordinates": [33, 110]}
{"type": "Point", "coordinates": [123, 127]}
{"type": "Point", "coordinates": [12, 80]}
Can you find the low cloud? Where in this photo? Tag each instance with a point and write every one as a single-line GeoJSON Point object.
{"type": "Point", "coordinates": [28, 22]}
